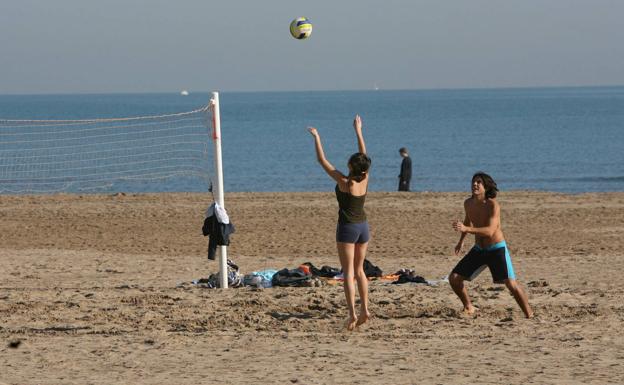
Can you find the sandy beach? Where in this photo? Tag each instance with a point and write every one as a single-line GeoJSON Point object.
{"type": "Point", "coordinates": [95, 289]}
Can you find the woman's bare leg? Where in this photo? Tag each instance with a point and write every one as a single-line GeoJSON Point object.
{"type": "Point", "coordinates": [346, 254]}
{"type": "Point", "coordinates": [362, 281]}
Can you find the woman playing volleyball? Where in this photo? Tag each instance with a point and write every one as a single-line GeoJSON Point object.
{"type": "Point", "coordinates": [352, 233]}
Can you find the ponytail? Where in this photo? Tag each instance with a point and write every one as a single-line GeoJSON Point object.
{"type": "Point", "coordinates": [357, 178]}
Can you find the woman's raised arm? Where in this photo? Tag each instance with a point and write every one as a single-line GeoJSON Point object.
{"type": "Point", "coordinates": [357, 125]}
{"type": "Point", "coordinates": [320, 157]}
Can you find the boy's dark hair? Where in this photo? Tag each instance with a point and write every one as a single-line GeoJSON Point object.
{"type": "Point", "coordinates": [403, 150]}
{"type": "Point", "coordinates": [490, 186]}
{"type": "Point", "coordinates": [360, 163]}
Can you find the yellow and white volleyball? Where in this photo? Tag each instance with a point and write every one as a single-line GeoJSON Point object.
{"type": "Point", "coordinates": [301, 28]}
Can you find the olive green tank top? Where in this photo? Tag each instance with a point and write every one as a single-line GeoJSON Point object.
{"type": "Point", "coordinates": [351, 208]}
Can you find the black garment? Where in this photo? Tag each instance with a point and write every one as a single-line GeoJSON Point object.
{"type": "Point", "coordinates": [219, 234]}
{"type": "Point", "coordinates": [371, 270]}
{"type": "Point", "coordinates": [406, 275]}
{"type": "Point", "coordinates": [351, 207]}
{"type": "Point", "coordinates": [406, 174]}
{"type": "Point", "coordinates": [325, 271]}
{"type": "Point", "coordinates": [290, 277]}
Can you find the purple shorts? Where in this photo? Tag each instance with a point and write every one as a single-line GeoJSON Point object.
{"type": "Point", "coordinates": [352, 232]}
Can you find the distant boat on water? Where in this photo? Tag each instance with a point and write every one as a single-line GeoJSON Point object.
{"type": "Point", "coordinates": [184, 93]}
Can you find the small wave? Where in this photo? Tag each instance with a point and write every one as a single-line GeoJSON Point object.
{"type": "Point", "coordinates": [597, 179]}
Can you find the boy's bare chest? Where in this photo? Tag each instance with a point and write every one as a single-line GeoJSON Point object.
{"type": "Point", "coordinates": [478, 215]}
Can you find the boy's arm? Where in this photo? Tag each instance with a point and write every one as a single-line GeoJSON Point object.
{"type": "Point", "coordinates": [357, 125]}
{"type": "Point", "coordinates": [460, 243]}
{"type": "Point", "coordinates": [487, 231]}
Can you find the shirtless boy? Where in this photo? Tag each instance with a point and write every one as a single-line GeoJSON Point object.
{"type": "Point", "coordinates": [483, 220]}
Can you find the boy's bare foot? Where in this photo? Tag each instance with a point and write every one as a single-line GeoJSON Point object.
{"type": "Point", "coordinates": [362, 319]}
{"type": "Point", "coordinates": [530, 315]}
{"type": "Point", "coordinates": [351, 323]}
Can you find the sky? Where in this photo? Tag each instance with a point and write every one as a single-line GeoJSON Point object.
{"type": "Point", "coordinates": [111, 46]}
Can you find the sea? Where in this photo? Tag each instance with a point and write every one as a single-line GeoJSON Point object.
{"type": "Point", "coordinates": [568, 139]}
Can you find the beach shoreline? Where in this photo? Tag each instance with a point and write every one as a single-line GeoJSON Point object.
{"type": "Point", "coordinates": [96, 289]}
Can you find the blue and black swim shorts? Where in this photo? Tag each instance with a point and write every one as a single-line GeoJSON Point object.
{"type": "Point", "coordinates": [495, 257]}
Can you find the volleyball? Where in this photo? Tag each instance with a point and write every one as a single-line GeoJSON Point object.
{"type": "Point", "coordinates": [301, 28]}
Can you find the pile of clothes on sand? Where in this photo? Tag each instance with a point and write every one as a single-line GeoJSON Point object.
{"type": "Point", "coordinates": [305, 275]}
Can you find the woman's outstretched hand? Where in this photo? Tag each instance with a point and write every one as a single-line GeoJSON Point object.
{"type": "Point", "coordinates": [357, 123]}
{"type": "Point", "coordinates": [313, 131]}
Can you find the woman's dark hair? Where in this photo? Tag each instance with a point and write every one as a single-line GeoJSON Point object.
{"type": "Point", "coordinates": [360, 163]}
{"type": "Point", "coordinates": [488, 183]}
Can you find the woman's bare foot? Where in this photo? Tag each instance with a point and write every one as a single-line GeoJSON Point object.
{"type": "Point", "coordinates": [470, 310]}
{"type": "Point", "coordinates": [362, 319]}
{"type": "Point", "coordinates": [352, 322]}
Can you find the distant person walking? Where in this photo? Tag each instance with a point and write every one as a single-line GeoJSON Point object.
{"type": "Point", "coordinates": [483, 220]}
{"type": "Point", "coordinates": [352, 233]}
{"type": "Point", "coordinates": [406, 170]}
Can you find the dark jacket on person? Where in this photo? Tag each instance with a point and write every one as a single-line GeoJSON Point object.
{"type": "Point", "coordinates": [406, 174]}
{"type": "Point", "coordinates": [219, 234]}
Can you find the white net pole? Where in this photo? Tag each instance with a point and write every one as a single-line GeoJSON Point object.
{"type": "Point", "coordinates": [218, 189]}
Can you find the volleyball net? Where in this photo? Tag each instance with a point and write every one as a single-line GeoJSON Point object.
{"type": "Point", "coordinates": [139, 154]}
